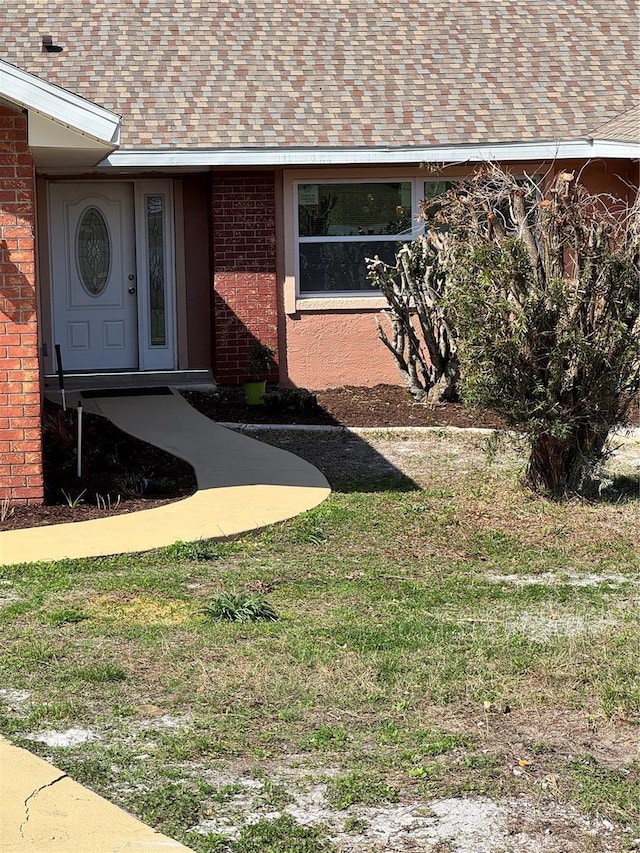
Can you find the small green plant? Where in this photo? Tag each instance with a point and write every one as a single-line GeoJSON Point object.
{"type": "Point", "coordinates": [169, 808]}
{"type": "Point", "coordinates": [240, 607]}
{"type": "Point", "coordinates": [355, 825]}
{"type": "Point", "coordinates": [93, 770]}
{"type": "Point", "coordinates": [308, 533]}
{"type": "Point", "coordinates": [481, 762]}
{"type": "Point", "coordinates": [436, 742]}
{"type": "Point", "coordinates": [260, 362]}
{"type": "Point", "coordinates": [361, 788]}
{"type": "Point", "coordinates": [275, 795]}
{"type": "Point", "coordinates": [66, 616]}
{"type": "Point", "coordinates": [425, 771]}
{"type": "Point", "coordinates": [388, 731]}
{"type": "Point", "coordinates": [73, 502]}
{"type": "Point", "coordinates": [101, 672]}
{"type": "Point", "coordinates": [200, 550]}
{"type": "Point", "coordinates": [211, 842]}
{"type": "Point", "coordinates": [32, 652]}
{"type": "Point", "coordinates": [188, 745]}
{"type": "Point", "coordinates": [328, 739]}
{"type": "Point", "coordinates": [227, 792]}
{"type": "Point", "coordinates": [540, 747]}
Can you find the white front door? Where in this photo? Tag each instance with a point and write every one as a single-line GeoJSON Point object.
{"type": "Point", "coordinates": [95, 306]}
{"type": "Point", "coordinates": [112, 274]}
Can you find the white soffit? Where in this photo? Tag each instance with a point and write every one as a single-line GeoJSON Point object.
{"type": "Point", "coordinates": [503, 152]}
{"type": "Point", "coordinates": [53, 145]}
{"type": "Point", "coordinates": [59, 106]}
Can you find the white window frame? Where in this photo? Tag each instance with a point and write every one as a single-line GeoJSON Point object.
{"type": "Point", "coordinates": [294, 300]}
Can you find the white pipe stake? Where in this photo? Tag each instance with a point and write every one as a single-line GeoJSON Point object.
{"type": "Point", "coordinates": [79, 450]}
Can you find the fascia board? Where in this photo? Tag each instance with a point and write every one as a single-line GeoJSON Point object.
{"type": "Point", "coordinates": [609, 148]}
{"type": "Point", "coordinates": [501, 152]}
{"type": "Point", "coordinates": [31, 93]}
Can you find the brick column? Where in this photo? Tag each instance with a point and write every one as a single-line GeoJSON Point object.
{"type": "Point", "coordinates": [20, 402]}
{"type": "Point", "coordinates": [244, 270]}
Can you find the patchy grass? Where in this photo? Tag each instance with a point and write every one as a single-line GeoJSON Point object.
{"type": "Point", "coordinates": [361, 788]}
{"type": "Point", "coordinates": [170, 807]}
{"type": "Point", "coordinates": [441, 633]}
{"type": "Point", "coordinates": [282, 835]}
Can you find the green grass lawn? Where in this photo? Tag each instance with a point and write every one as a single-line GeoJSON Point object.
{"type": "Point", "coordinates": [441, 633]}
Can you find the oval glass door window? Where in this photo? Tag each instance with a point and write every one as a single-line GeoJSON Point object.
{"type": "Point", "coordinates": [93, 251]}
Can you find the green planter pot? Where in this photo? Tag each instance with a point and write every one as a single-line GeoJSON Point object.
{"type": "Point", "coordinates": [254, 392]}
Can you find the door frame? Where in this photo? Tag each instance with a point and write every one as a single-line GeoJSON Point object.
{"type": "Point", "coordinates": [150, 357]}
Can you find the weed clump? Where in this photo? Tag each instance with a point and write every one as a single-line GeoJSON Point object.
{"type": "Point", "coordinates": [239, 607]}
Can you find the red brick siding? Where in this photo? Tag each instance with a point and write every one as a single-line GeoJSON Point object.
{"type": "Point", "coordinates": [244, 265]}
{"type": "Point", "coordinates": [20, 406]}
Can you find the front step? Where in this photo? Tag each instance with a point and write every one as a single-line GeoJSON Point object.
{"type": "Point", "coordinates": [132, 379]}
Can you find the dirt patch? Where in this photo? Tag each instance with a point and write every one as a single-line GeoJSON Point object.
{"type": "Point", "coordinates": [71, 737]}
{"type": "Point", "coordinates": [570, 579]}
{"type": "Point", "coordinates": [472, 824]}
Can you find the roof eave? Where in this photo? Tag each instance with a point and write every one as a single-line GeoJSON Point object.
{"type": "Point", "coordinates": [65, 108]}
{"type": "Point", "coordinates": [289, 156]}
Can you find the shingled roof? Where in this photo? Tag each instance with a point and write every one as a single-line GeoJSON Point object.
{"type": "Point", "coordinates": [348, 73]}
{"type": "Point", "coordinates": [624, 128]}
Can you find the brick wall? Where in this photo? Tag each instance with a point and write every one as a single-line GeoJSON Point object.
{"type": "Point", "coordinates": [20, 410]}
{"type": "Point", "coordinates": [244, 270]}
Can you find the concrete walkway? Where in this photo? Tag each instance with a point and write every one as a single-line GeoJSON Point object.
{"type": "Point", "coordinates": [243, 484]}
{"type": "Point", "coordinates": [43, 811]}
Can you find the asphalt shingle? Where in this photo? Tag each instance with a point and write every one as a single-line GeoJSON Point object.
{"type": "Point", "coordinates": [352, 73]}
{"type": "Point", "coordinates": [623, 128]}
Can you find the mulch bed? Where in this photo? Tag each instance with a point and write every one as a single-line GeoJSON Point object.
{"type": "Point", "coordinates": [122, 474]}
{"type": "Point", "coordinates": [381, 406]}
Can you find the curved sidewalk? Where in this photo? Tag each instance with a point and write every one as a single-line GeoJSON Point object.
{"type": "Point", "coordinates": [42, 810]}
{"type": "Point", "coordinates": [243, 484]}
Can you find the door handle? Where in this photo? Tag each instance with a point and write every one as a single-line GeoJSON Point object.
{"type": "Point", "coordinates": [132, 289]}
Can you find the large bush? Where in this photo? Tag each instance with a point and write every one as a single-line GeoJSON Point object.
{"type": "Point", "coordinates": [543, 291]}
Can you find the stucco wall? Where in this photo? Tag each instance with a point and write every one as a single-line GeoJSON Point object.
{"type": "Point", "coordinates": [331, 349]}
{"type": "Point", "coordinates": [20, 407]}
{"type": "Point", "coordinates": [618, 177]}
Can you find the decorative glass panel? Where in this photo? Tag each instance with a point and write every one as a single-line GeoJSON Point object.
{"type": "Point", "coordinates": [93, 251]}
{"type": "Point", "coordinates": [157, 283]}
